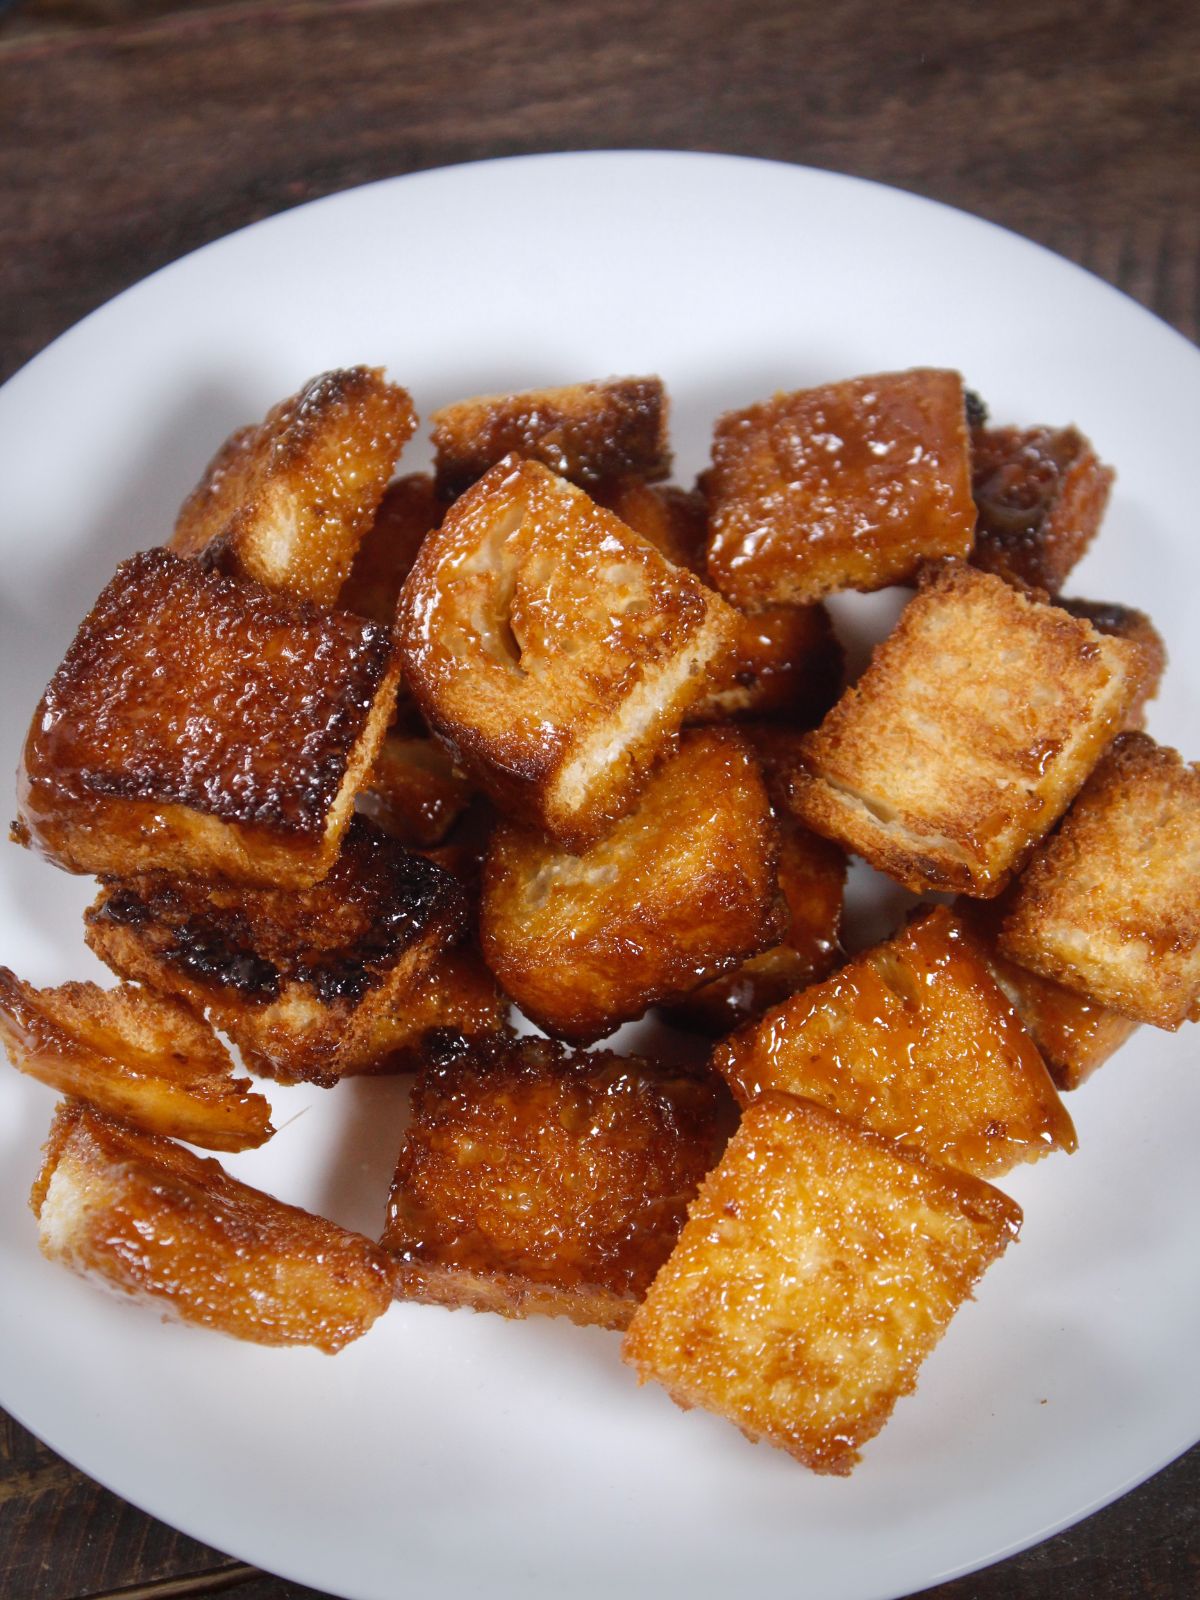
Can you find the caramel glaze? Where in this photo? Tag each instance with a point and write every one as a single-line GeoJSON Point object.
{"type": "Point", "coordinates": [534, 1178]}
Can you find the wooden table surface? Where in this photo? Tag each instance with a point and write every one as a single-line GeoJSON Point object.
{"type": "Point", "coordinates": [132, 131]}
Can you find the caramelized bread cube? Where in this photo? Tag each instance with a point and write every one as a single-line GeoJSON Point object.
{"type": "Point", "coordinates": [456, 994]}
{"type": "Point", "coordinates": [288, 500]}
{"type": "Point", "coordinates": [1074, 1036]}
{"type": "Point", "coordinates": [300, 980]}
{"type": "Point", "coordinates": [1123, 622]}
{"type": "Point", "coordinates": [1040, 494]}
{"type": "Point", "coordinates": [588, 432]}
{"type": "Point", "coordinates": [681, 889]}
{"type": "Point", "coordinates": [147, 1218]}
{"type": "Point", "coordinates": [134, 1055]}
{"type": "Point", "coordinates": [818, 1268]}
{"type": "Point", "coordinates": [408, 511]}
{"type": "Point", "coordinates": [674, 520]}
{"type": "Point", "coordinates": [555, 651]}
{"type": "Point", "coordinates": [204, 726]}
{"type": "Point", "coordinates": [1110, 906]}
{"type": "Point", "coordinates": [968, 735]}
{"type": "Point", "coordinates": [849, 486]}
{"type": "Point", "coordinates": [913, 1039]}
{"type": "Point", "coordinates": [539, 1180]}
{"type": "Point", "coordinates": [414, 792]}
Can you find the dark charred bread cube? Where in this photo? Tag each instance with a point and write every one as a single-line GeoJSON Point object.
{"type": "Point", "coordinates": [967, 737]}
{"type": "Point", "coordinates": [144, 1217]}
{"type": "Point", "coordinates": [134, 1055]}
{"type": "Point", "coordinates": [554, 650]}
{"type": "Point", "coordinates": [414, 792]}
{"type": "Point", "coordinates": [409, 510]}
{"type": "Point", "coordinates": [591, 433]}
{"type": "Point", "coordinates": [849, 486]}
{"type": "Point", "coordinates": [1040, 494]}
{"type": "Point", "coordinates": [1074, 1036]}
{"type": "Point", "coordinates": [682, 889]}
{"type": "Point", "coordinates": [1110, 906]}
{"type": "Point", "coordinates": [300, 980]}
{"type": "Point", "coordinates": [536, 1180]}
{"type": "Point", "coordinates": [457, 994]}
{"type": "Point", "coordinates": [288, 500]}
{"type": "Point", "coordinates": [1136, 628]}
{"type": "Point", "coordinates": [818, 1268]}
{"type": "Point", "coordinates": [914, 1039]}
{"type": "Point", "coordinates": [203, 726]}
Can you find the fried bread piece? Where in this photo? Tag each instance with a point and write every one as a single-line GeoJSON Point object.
{"type": "Point", "coordinates": [539, 1180]}
{"type": "Point", "coordinates": [682, 889]}
{"type": "Point", "coordinates": [299, 980]}
{"type": "Point", "coordinates": [1074, 1036]}
{"type": "Point", "coordinates": [134, 1055]}
{"type": "Point", "coordinates": [1123, 622]}
{"type": "Point", "coordinates": [408, 511]}
{"type": "Point", "coordinates": [1110, 906]}
{"type": "Point", "coordinates": [967, 737]}
{"type": "Point", "coordinates": [456, 994]}
{"type": "Point", "coordinates": [818, 1268]}
{"type": "Point", "coordinates": [414, 792]}
{"type": "Point", "coordinates": [287, 501]}
{"type": "Point", "coordinates": [1040, 494]}
{"type": "Point", "coordinates": [147, 1218]}
{"type": "Point", "coordinates": [848, 486]}
{"type": "Point", "coordinates": [554, 650]}
{"type": "Point", "coordinates": [674, 520]}
{"type": "Point", "coordinates": [202, 725]}
{"type": "Point", "coordinates": [913, 1039]}
{"type": "Point", "coordinates": [590, 433]}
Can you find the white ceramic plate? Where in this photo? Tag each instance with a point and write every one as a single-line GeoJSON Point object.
{"type": "Point", "coordinates": [448, 1453]}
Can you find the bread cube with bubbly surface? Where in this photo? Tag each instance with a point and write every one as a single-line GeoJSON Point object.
{"type": "Point", "coordinates": [818, 1268]}
{"type": "Point", "coordinates": [681, 889]}
{"type": "Point", "coordinates": [203, 726]}
{"type": "Point", "coordinates": [144, 1217]}
{"type": "Point", "coordinates": [913, 1039]}
{"type": "Point", "coordinates": [847, 486]}
{"type": "Point", "coordinates": [554, 650]}
{"type": "Point", "coordinates": [538, 1180]}
{"type": "Point", "coordinates": [1110, 906]}
{"type": "Point", "coordinates": [288, 500]}
{"type": "Point", "coordinates": [974, 726]}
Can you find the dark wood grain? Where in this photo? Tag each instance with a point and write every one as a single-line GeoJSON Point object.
{"type": "Point", "coordinates": [132, 131]}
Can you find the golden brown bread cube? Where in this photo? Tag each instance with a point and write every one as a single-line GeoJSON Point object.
{"type": "Point", "coordinates": [1110, 906]}
{"type": "Point", "coordinates": [590, 433]}
{"type": "Point", "coordinates": [203, 726]}
{"type": "Point", "coordinates": [300, 980]}
{"type": "Point", "coordinates": [818, 1268]}
{"type": "Point", "coordinates": [288, 500]}
{"type": "Point", "coordinates": [145, 1217]}
{"type": "Point", "coordinates": [914, 1039]}
{"type": "Point", "coordinates": [1123, 622]}
{"type": "Point", "coordinates": [1074, 1036]}
{"type": "Point", "coordinates": [682, 889]}
{"type": "Point", "coordinates": [967, 737]}
{"type": "Point", "coordinates": [847, 486]}
{"type": "Point", "coordinates": [134, 1055]}
{"type": "Point", "coordinates": [674, 520]}
{"type": "Point", "coordinates": [554, 650]}
{"type": "Point", "coordinates": [409, 510]}
{"type": "Point", "coordinates": [538, 1180]}
{"type": "Point", "coordinates": [1040, 494]}
{"type": "Point", "coordinates": [414, 792]}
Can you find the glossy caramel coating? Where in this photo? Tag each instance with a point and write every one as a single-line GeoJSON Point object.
{"type": "Point", "coordinates": [299, 980]}
{"type": "Point", "coordinates": [1040, 495]}
{"type": "Point", "coordinates": [145, 1217]}
{"type": "Point", "coordinates": [1136, 628]}
{"type": "Point", "coordinates": [409, 510]}
{"type": "Point", "coordinates": [414, 791]}
{"type": "Point", "coordinates": [203, 726]}
{"type": "Point", "coordinates": [818, 1268]}
{"type": "Point", "coordinates": [967, 737]}
{"type": "Point", "coordinates": [1110, 905]}
{"type": "Point", "coordinates": [455, 994]}
{"type": "Point", "coordinates": [590, 433]}
{"type": "Point", "coordinates": [914, 1039]}
{"type": "Point", "coordinates": [674, 520]}
{"type": "Point", "coordinates": [288, 500]}
{"type": "Point", "coordinates": [538, 1180]}
{"type": "Point", "coordinates": [134, 1055]}
{"type": "Point", "coordinates": [847, 486]}
{"type": "Point", "coordinates": [553, 650]}
{"type": "Point", "coordinates": [682, 889]}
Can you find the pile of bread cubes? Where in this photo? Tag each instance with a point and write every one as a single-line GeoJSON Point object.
{"type": "Point", "coordinates": [363, 763]}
